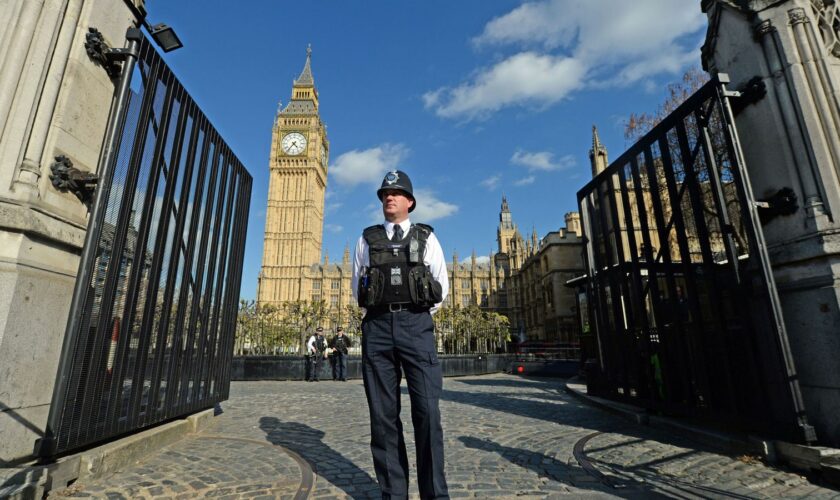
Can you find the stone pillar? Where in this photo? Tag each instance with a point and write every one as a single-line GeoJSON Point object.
{"type": "Point", "coordinates": [53, 101]}
{"type": "Point", "coordinates": [791, 138]}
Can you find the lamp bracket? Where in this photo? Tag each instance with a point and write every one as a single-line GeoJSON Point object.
{"type": "Point", "coordinates": [103, 54]}
{"type": "Point", "coordinates": [783, 202]}
{"type": "Point", "coordinates": [65, 177]}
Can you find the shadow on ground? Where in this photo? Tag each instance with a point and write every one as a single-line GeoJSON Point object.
{"type": "Point", "coordinates": [324, 460]}
{"type": "Point", "coordinates": [555, 470]}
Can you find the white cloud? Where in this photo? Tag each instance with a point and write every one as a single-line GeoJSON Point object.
{"type": "Point", "coordinates": [367, 166]}
{"type": "Point", "coordinates": [567, 45]}
{"type": "Point", "coordinates": [525, 181]}
{"type": "Point", "coordinates": [491, 183]}
{"type": "Point", "coordinates": [334, 228]}
{"type": "Point", "coordinates": [479, 259]}
{"type": "Point", "coordinates": [524, 78]}
{"type": "Point", "coordinates": [430, 208]}
{"type": "Point", "coordinates": [541, 160]}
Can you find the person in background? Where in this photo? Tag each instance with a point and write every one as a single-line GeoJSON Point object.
{"type": "Point", "coordinates": [340, 344]}
{"type": "Point", "coordinates": [315, 347]}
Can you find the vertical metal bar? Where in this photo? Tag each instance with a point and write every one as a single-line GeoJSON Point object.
{"type": "Point", "coordinates": [171, 178]}
{"type": "Point", "coordinates": [223, 284]}
{"type": "Point", "coordinates": [188, 278]}
{"type": "Point", "coordinates": [138, 378]}
{"type": "Point", "coordinates": [717, 194]}
{"type": "Point", "coordinates": [46, 447]}
{"type": "Point", "coordinates": [636, 282]}
{"type": "Point", "coordinates": [120, 234]}
{"type": "Point", "coordinates": [241, 238]}
{"type": "Point", "coordinates": [87, 432]}
{"type": "Point", "coordinates": [210, 306]}
{"type": "Point", "coordinates": [689, 158]}
{"type": "Point", "coordinates": [177, 253]}
{"type": "Point", "coordinates": [197, 303]}
{"type": "Point", "coordinates": [616, 278]}
{"type": "Point", "coordinates": [806, 432]}
{"type": "Point", "coordinates": [676, 198]}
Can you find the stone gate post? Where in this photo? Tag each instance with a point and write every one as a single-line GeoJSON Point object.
{"type": "Point", "coordinates": [791, 139]}
{"type": "Point", "coordinates": [54, 100]}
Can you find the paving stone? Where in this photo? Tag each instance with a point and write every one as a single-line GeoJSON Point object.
{"type": "Point", "coordinates": [505, 436]}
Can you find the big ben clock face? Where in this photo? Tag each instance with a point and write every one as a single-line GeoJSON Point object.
{"type": "Point", "coordinates": [294, 143]}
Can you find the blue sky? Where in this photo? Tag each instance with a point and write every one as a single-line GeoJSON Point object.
{"type": "Point", "coordinates": [473, 98]}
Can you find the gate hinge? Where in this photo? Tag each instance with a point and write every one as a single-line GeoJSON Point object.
{"type": "Point", "coordinates": [65, 177]}
{"type": "Point", "coordinates": [103, 54]}
{"type": "Point", "coordinates": [783, 202]}
{"type": "Point", "coordinates": [749, 93]}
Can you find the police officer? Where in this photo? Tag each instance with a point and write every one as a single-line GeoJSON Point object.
{"type": "Point", "coordinates": [340, 345]}
{"type": "Point", "coordinates": [315, 347]}
{"type": "Point", "coordinates": [399, 278]}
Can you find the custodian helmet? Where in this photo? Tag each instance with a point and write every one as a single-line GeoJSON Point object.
{"type": "Point", "coordinates": [397, 179]}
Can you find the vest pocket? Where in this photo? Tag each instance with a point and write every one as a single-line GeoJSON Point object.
{"type": "Point", "coordinates": [371, 288]}
{"type": "Point", "coordinates": [425, 291]}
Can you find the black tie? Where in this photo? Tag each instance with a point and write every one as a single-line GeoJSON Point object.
{"type": "Point", "coordinates": [398, 233]}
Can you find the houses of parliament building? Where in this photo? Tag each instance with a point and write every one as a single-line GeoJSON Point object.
{"type": "Point", "coordinates": [523, 280]}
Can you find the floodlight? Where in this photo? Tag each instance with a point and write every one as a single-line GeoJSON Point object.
{"type": "Point", "coordinates": [165, 37]}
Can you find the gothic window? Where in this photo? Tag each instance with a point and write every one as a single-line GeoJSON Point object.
{"type": "Point", "coordinates": [485, 284]}
{"type": "Point", "coordinates": [465, 283]}
{"type": "Point", "coordinates": [828, 20]}
{"type": "Point", "coordinates": [465, 300]}
{"type": "Point", "coordinates": [335, 285]}
{"type": "Point", "coordinates": [316, 285]}
{"type": "Point", "coordinates": [334, 301]}
{"type": "Point", "coordinates": [316, 297]}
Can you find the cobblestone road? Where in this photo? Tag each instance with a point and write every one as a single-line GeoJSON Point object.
{"type": "Point", "coordinates": [506, 437]}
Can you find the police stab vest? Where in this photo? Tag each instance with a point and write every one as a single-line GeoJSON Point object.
{"type": "Point", "coordinates": [397, 274]}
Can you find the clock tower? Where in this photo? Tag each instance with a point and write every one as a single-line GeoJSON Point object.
{"type": "Point", "coordinates": [294, 217]}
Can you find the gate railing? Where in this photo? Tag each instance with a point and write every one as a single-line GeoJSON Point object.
{"type": "Point", "coordinates": [152, 319]}
{"type": "Point", "coordinates": [681, 295]}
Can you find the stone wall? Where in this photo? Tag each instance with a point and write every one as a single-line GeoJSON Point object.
{"type": "Point", "coordinates": [53, 101]}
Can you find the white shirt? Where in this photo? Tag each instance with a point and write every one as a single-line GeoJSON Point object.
{"type": "Point", "coordinates": [432, 257]}
{"type": "Point", "coordinates": [310, 345]}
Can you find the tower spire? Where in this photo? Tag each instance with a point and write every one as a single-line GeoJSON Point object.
{"type": "Point", "coordinates": [598, 154]}
{"type": "Point", "coordinates": [305, 79]}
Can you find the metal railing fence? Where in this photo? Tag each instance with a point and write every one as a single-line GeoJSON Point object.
{"type": "Point", "coordinates": [151, 327]}
{"type": "Point", "coordinates": [680, 293]}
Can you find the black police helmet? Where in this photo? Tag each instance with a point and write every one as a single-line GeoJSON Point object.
{"type": "Point", "coordinates": [397, 179]}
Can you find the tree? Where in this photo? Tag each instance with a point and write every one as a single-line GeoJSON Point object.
{"type": "Point", "coordinates": [637, 125]}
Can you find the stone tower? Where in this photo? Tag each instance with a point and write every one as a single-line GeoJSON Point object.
{"type": "Point", "coordinates": [294, 218]}
{"type": "Point", "coordinates": [506, 228]}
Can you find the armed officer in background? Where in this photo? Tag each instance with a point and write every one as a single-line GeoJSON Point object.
{"type": "Point", "coordinates": [399, 278]}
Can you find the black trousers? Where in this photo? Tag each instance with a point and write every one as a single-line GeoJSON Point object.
{"type": "Point", "coordinates": [339, 361]}
{"type": "Point", "coordinates": [391, 342]}
{"type": "Point", "coordinates": [313, 366]}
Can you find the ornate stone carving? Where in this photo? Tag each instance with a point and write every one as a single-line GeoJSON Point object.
{"type": "Point", "coordinates": [65, 177]}
{"type": "Point", "coordinates": [797, 16]}
{"type": "Point", "coordinates": [828, 20]}
{"type": "Point", "coordinates": [763, 28]}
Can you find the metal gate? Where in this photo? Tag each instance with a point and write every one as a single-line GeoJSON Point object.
{"type": "Point", "coordinates": [151, 327]}
{"type": "Point", "coordinates": [680, 294]}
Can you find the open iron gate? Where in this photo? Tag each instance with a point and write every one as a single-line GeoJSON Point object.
{"type": "Point", "coordinates": [680, 293]}
{"type": "Point", "coordinates": [152, 320]}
